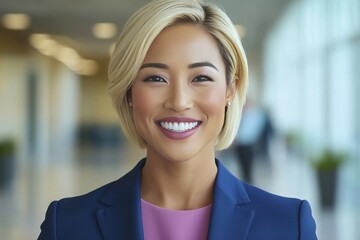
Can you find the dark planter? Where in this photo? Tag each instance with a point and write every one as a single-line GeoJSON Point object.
{"type": "Point", "coordinates": [327, 181]}
{"type": "Point", "coordinates": [6, 171]}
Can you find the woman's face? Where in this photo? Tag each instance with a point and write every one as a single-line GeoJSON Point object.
{"type": "Point", "coordinates": [180, 93]}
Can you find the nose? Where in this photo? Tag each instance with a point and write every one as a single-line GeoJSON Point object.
{"type": "Point", "coordinates": [179, 97]}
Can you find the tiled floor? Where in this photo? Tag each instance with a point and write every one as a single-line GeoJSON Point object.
{"type": "Point", "coordinates": [22, 207]}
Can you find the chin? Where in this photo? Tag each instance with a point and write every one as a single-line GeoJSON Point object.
{"type": "Point", "coordinates": [178, 154]}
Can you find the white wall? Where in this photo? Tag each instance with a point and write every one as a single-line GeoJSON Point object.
{"type": "Point", "coordinates": [96, 105]}
{"type": "Point", "coordinates": [56, 103]}
{"type": "Point", "coordinates": [12, 98]}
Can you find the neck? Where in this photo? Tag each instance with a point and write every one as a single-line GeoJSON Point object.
{"type": "Point", "coordinates": [179, 185]}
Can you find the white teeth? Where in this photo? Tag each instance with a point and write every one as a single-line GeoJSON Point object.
{"type": "Point", "coordinates": [178, 127]}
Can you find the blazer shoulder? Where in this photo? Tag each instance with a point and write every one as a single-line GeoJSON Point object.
{"type": "Point", "coordinates": [258, 195]}
{"type": "Point", "coordinates": [89, 198]}
{"type": "Point", "coordinates": [75, 217]}
{"type": "Point", "coordinates": [274, 212]}
{"type": "Point", "coordinates": [113, 190]}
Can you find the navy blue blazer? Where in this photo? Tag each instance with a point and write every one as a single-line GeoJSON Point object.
{"type": "Point", "coordinates": [239, 211]}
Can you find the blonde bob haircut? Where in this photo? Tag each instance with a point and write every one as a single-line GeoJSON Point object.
{"type": "Point", "coordinates": [138, 34]}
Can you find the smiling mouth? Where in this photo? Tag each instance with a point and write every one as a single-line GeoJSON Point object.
{"type": "Point", "coordinates": [179, 126]}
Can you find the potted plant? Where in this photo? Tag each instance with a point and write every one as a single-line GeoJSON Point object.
{"type": "Point", "coordinates": [7, 155]}
{"type": "Point", "coordinates": [327, 165]}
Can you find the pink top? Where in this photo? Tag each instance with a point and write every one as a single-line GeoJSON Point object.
{"type": "Point", "coordinates": [166, 224]}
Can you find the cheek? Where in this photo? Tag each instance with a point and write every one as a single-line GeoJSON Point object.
{"type": "Point", "coordinates": [144, 103]}
{"type": "Point", "coordinates": [141, 103]}
{"type": "Point", "coordinates": [213, 101]}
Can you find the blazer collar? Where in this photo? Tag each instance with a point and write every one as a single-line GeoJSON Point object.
{"type": "Point", "coordinates": [231, 215]}
{"type": "Point", "coordinates": [121, 219]}
{"type": "Point", "coordinates": [232, 212]}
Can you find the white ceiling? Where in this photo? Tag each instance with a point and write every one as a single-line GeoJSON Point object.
{"type": "Point", "coordinates": [72, 20]}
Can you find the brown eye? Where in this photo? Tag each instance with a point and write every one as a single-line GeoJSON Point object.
{"type": "Point", "coordinates": [202, 78]}
{"type": "Point", "coordinates": [154, 79]}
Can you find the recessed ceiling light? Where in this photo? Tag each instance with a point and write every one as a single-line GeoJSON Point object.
{"type": "Point", "coordinates": [88, 67]}
{"type": "Point", "coordinates": [48, 46]}
{"type": "Point", "coordinates": [104, 30]}
{"type": "Point", "coordinates": [16, 21]}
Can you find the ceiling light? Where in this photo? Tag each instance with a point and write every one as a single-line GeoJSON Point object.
{"type": "Point", "coordinates": [16, 21]}
{"type": "Point", "coordinates": [241, 30]}
{"type": "Point", "coordinates": [104, 30]}
{"type": "Point", "coordinates": [37, 39]}
{"type": "Point", "coordinates": [88, 67]}
{"type": "Point", "coordinates": [46, 45]}
{"type": "Point", "coordinates": [69, 57]}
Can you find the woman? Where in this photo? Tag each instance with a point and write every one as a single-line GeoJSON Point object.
{"type": "Point", "coordinates": [178, 79]}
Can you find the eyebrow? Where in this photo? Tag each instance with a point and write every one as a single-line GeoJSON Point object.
{"type": "Point", "coordinates": [190, 66]}
{"type": "Point", "coordinates": [203, 64]}
{"type": "Point", "coordinates": [154, 65]}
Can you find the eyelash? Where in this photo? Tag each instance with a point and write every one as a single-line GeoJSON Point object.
{"type": "Point", "coordinates": [154, 78]}
{"type": "Point", "coordinates": [207, 78]}
{"type": "Point", "coordinates": [197, 78]}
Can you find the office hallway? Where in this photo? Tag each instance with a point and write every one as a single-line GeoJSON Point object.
{"type": "Point", "coordinates": [22, 207]}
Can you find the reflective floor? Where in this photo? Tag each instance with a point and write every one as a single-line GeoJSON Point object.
{"type": "Point", "coordinates": [23, 205]}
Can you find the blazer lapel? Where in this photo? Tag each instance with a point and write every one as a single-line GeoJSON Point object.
{"type": "Point", "coordinates": [232, 213]}
{"type": "Point", "coordinates": [121, 219]}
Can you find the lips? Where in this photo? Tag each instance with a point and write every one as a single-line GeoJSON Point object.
{"type": "Point", "coordinates": [178, 128]}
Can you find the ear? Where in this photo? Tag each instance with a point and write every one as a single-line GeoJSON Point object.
{"type": "Point", "coordinates": [231, 89]}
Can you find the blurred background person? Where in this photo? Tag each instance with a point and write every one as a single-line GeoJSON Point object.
{"type": "Point", "coordinates": [267, 136]}
{"type": "Point", "coordinates": [252, 126]}
{"type": "Point", "coordinates": [254, 138]}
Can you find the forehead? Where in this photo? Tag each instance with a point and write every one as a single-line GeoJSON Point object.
{"type": "Point", "coordinates": [184, 41]}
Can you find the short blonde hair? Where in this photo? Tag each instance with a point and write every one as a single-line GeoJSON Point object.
{"type": "Point", "coordinates": [136, 38]}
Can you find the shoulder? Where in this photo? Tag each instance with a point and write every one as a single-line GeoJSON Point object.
{"type": "Point", "coordinates": [274, 212]}
{"type": "Point", "coordinates": [86, 200]}
{"type": "Point", "coordinates": [275, 205]}
{"type": "Point", "coordinates": [247, 193]}
{"type": "Point", "coordinates": [87, 203]}
{"type": "Point", "coordinates": [76, 217]}
{"type": "Point", "coordinates": [274, 215]}
{"type": "Point", "coordinates": [109, 192]}
{"type": "Point", "coordinates": [263, 197]}
{"type": "Point", "coordinates": [266, 203]}
{"type": "Point", "coordinates": [72, 216]}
